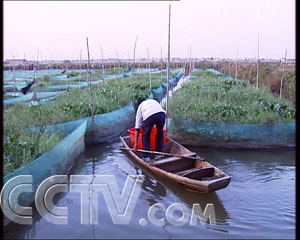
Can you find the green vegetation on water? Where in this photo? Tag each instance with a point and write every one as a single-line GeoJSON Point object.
{"type": "Point", "coordinates": [74, 77]}
{"type": "Point", "coordinates": [270, 74]}
{"type": "Point", "coordinates": [22, 146]}
{"type": "Point", "coordinates": [216, 99]}
{"type": "Point", "coordinates": [75, 104]}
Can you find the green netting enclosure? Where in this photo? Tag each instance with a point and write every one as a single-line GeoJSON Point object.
{"type": "Point", "coordinates": [232, 135]}
{"type": "Point", "coordinates": [58, 161]}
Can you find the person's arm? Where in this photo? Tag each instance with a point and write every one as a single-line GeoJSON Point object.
{"type": "Point", "coordinates": [137, 133]}
{"type": "Point", "coordinates": [138, 125]}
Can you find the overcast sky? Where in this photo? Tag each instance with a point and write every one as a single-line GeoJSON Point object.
{"type": "Point", "coordinates": [213, 28]}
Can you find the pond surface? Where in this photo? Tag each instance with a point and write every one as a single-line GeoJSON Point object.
{"type": "Point", "coordinates": [259, 202]}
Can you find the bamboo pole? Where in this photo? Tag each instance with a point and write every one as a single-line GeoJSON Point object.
{"type": "Point", "coordinates": [13, 76]}
{"type": "Point", "coordinates": [257, 61]}
{"type": "Point", "coordinates": [90, 82]}
{"type": "Point", "coordinates": [250, 73]}
{"type": "Point", "coordinates": [281, 81]}
{"type": "Point", "coordinates": [168, 66]}
{"type": "Point", "coordinates": [162, 153]}
{"type": "Point", "coordinates": [161, 64]}
{"type": "Point", "coordinates": [149, 69]}
{"type": "Point", "coordinates": [114, 65]}
{"type": "Point", "coordinates": [51, 65]}
{"type": "Point", "coordinates": [34, 97]}
{"type": "Point", "coordinates": [133, 67]}
{"type": "Point", "coordinates": [41, 59]}
{"type": "Point", "coordinates": [236, 62]}
{"type": "Point", "coordinates": [134, 48]}
{"type": "Point", "coordinates": [190, 60]}
{"type": "Point", "coordinates": [67, 68]}
{"type": "Point", "coordinates": [119, 66]}
{"type": "Point", "coordinates": [128, 60]}
{"type": "Point", "coordinates": [25, 74]}
{"type": "Point", "coordinates": [80, 65]}
{"type": "Point", "coordinates": [103, 71]}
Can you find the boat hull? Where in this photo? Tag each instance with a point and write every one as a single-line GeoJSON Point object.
{"type": "Point", "coordinates": [190, 177]}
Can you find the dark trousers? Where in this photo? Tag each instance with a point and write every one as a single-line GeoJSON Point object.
{"type": "Point", "coordinates": [157, 119]}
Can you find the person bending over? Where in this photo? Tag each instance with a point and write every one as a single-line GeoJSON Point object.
{"type": "Point", "coordinates": [149, 113]}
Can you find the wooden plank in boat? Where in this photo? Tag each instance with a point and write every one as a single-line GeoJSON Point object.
{"type": "Point", "coordinates": [173, 159]}
{"type": "Point", "coordinates": [200, 173]}
{"type": "Point", "coordinates": [185, 171]}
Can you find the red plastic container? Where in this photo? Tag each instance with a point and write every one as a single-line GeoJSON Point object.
{"type": "Point", "coordinates": [131, 133]}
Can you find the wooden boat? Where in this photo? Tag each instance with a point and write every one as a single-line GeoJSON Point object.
{"type": "Point", "coordinates": [193, 173]}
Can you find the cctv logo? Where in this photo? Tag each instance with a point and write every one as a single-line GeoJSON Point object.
{"type": "Point", "coordinates": [120, 204]}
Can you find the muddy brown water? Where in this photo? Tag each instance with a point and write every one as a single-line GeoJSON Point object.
{"type": "Point", "coordinates": [259, 202]}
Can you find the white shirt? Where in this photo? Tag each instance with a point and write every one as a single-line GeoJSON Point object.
{"type": "Point", "coordinates": [146, 109]}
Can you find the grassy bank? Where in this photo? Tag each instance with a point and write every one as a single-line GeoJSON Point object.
{"type": "Point", "coordinates": [219, 100]}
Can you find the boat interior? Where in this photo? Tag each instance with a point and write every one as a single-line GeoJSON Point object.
{"type": "Point", "coordinates": [186, 167]}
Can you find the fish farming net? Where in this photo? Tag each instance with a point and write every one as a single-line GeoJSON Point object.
{"type": "Point", "coordinates": [158, 93]}
{"type": "Point", "coordinates": [58, 161]}
{"type": "Point", "coordinates": [232, 135]}
{"type": "Point", "coordinates": [211, 70]}
{"type": "Point", "coordinates": [28, 97]}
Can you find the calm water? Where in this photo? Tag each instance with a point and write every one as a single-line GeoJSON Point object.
{"type": "Point", "coordinates": [258, 203]}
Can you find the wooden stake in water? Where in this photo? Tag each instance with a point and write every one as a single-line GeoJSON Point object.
{"type": "Point", "coordinates": [257, 61]}
{"type": "Point", "coordinates": [168, 70]}
{"type": "Point", "coordinates": [281, 81]}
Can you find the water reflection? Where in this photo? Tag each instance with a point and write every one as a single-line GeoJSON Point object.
{"type": "Point", "coordinates": [158, 186]}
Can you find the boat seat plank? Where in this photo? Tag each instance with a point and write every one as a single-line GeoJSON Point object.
{"type": "Point", "coordinates": [172, 159]}
{"type": "Point", "coordinates": [186, 171]}
{"type": "Point", "coordinates": [199, 173]}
